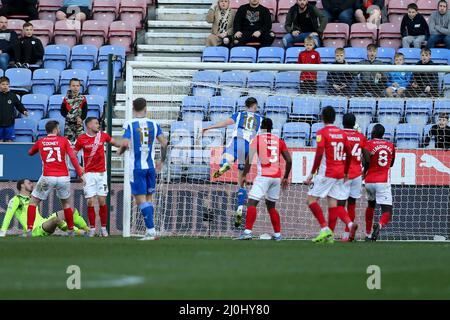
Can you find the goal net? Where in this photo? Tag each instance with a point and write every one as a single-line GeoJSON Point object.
{"type": "Point", "coordinates": [185, 97]}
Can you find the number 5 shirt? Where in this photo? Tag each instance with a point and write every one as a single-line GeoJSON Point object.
{"type": "Point", "coordinates": [53, 150]}
{"type": "Point", "coordinates": [331, 153]}
{"type": "Point", "coordinates": [382, 154]}
{"type": "Point", "coordinates": [269, 148]}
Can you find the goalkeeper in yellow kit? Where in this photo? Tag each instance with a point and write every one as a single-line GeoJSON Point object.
{"type": "Point", "coordinates": [42, 227]}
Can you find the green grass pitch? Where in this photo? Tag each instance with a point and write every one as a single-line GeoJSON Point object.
{"type": "Point", "coordinates": [179, 268]}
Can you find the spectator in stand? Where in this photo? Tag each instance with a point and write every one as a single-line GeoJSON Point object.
{"type": "Point", "coordinates": [339, 83]}
{"type": "Point", "coordinates": [414, 28]}
{"type": "Point", "coordinates": [369, 11]}
{"type": "Point", "coordinates": [30, 49]}
{"type": "Point", "coordinates": [441, 132]}
{"type": "Point", "coordinates": [304, 20]}
{"type": "Point", "coordinates": [8, 44]}
{"type": "Point", "coordinates": [20, 7]}
{"type": "Point", "coordinates": [398, 81]}
{"type": "Point", "coordinates": [75, 10]}
{"type": "Point", "coordinates": [8, 101]}
{"type": "Point", "coordinates": [424, 84]}
{"type": "Point", "coordinates": [341, 10]}
{"type": "Point", "coordinates": [439, 24]}
{"type": "Point", "coordinates": [308, 79]}
{"type": "Point", "coordinates": [221, 16]}
{"type": "Point", "coordinates": [253, 25]}
{"type": "Point", "coordinates": [74, 108]}
{"type": "Point", "coordinates": [371, 83]}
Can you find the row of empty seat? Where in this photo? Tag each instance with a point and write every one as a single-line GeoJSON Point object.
{"type": "Point", "coordinates": [246, 54]}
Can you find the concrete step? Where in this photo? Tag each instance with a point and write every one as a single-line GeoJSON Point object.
{"type": "Point", "coordinates": [167, 59]}
{"type": "Point", "coordinates": [167, 49]}
{"type": "Point", "coordinates": [179, 26]}
{"type": "Point", "coordinates": [175, 38]}
{"type": "Point", "coordinates": [181, 14]}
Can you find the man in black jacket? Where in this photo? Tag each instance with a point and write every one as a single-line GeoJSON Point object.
{"type": "Point", "coordinates": [16, 7]}
{"type": "Point", "coordinates": [341, 10]}
{"type": "Point", "coordinates": [30, 48]}
{"type": "Point", "coordinates": [8, 44]}
{"type": "Point", "coordinates": [253, 25]}
{"type": "Point", "coordinates": [424, 84]}
{"type": "Point", "coordinates": [304, 20]}
{"type": "Point", "coordinates": [8, 101]}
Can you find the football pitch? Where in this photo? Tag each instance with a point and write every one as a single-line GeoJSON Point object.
{"type": "Point", "coordinates": [186, 268]}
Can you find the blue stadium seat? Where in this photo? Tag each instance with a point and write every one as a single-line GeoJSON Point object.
{"type": "Point", "coordinates": [205, 83]}
{"type": "Point", "coordinates": [213, 138]}
{"type": "Point", "coordinates": [232, 83]}
{"type": "Point", "coordinates": [36, 105]}
{"type": "Point", "coordinates": [41, 126]}
{"type": "Point", "coordinates": [243, 54]}
{"type": "Point", "coordinates": [338, 103]}
{"type": "Point", "coordinates": [314, 128]}
{"type": "Point", "coordinates": [305, 107]}
{"type": "Point", "coordinates": [355, 54]}
{"type": "Point", "coordinates": [418, 111]}
{"type": "Point", "coordinates": [296, 134]}
{"type": "Point", "coordinates": [390, 110]}
{"type": "Point", "coordinates": [95, 105]}
{"type": "Point", "coordinates": [56, 56]}
{"type": "Point", "coordinates": [45, 81]}
{"type": "Point", "coordinates": [181, 134]}
{"type": "Point", "coordinates": [25, 129]}
{"type": "Point", "coordinates": [412, 55]}
{"type": "Point", "coordinates": [287, 82]}
{"type": "Point", "coordinates": [292, 54]}
{"type": "Point", "coordinates": [199, 168]}
{"type": "Point", "coordinates": [389, 131]}
{"type": "Point", "coordinates": [119, 52]}
{"type": "Point", "coordinates": [54, 105]}
{"type": "Point", "coordinates": [277, 108]}
{"type": "Point", "coordinates": [446, 85]}
{"type": "Point", "coordinates": [386, 55]}
{"type": "Point", "coordinates": [221, 108]}
{"type": "Point", "coordinates": [440, 55]}
{"type": "Point", "coordinates": [194, 108]}
{"type": "Point", "coordinates": [363, 109]}
{"type": "Point", "coordinates": [215, 54]}
{"type": "Point", "coordinates": [240, 103]}
{"type": "Point", "coordinates": [261, 79]}
{"type": "Point", "coordinates": [408, 136]}
{"type": "Point", "coordinates": [20, 79]}
{"type": "Point", "coordinates": [68, 74]}
{"type": "Point", "coordinates": [270, 55]}
{"type": "Point", "coordinates": [441, 105]}
{"type": "Point", "coordinates": [84, 56]}
{"type": "Point", "coordinates": [326, 54]}
{"type": "Point", "coordinates": [98, 83]}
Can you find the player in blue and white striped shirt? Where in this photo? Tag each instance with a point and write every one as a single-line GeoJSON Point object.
{"type": "Point", "coordinates": [140, 135]}
{"type": "Point", "coordinates": [247, 124]}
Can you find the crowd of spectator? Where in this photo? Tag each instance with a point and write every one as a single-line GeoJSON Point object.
{"type": "Point", "coordinates": [252, 23]}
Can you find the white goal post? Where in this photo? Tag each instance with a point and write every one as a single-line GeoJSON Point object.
{"type": "Point", "coordinates": [190, 203]}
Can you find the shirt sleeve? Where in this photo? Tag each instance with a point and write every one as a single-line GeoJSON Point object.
{"type": "Point", "coordinates": [107, 137]}
{"type": "Point", "coordinates": [34, 149]}
{"type": "Point", "coordinates": [127, 131]}
{"type": "Point", "coordinates": [158, 130]}
{"type": "Point", "coordinates": [283, 146]}
{"type": "Point", "coordinates": [78, 145]}
{"type": "Point", "coordinates": [12, 207]}
{"type": "Point", "coordinates": [235, 116]}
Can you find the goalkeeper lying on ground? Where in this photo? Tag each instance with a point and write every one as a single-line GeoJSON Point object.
{"type": "Point", "coordinates": [42, 227]}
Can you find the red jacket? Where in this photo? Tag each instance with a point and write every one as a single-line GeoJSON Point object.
{"type": "Point", "coordinates": [309, 57]}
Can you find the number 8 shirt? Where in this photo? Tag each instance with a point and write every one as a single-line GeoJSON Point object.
{"type": "Point", "coordinates": [382, 153]}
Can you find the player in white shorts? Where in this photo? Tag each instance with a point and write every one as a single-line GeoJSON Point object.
{"type": "Point", "coordinates": [268, 182]}
{"type": "Point", "coordinates": [53, 150]}
{"type": "Point", "coordinates": [93, 145]}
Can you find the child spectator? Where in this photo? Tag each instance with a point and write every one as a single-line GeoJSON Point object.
{"type": "Point", "coordinates": [398, 81]}
{"type": "Point", "coordinates": [308, 79]}
{"type": "Point", "coordinates": [371, 83]}
{"type": "Point", "coordinates": [414, 28]}
{"type": "Point", "coordinates": [339, 83]}
{"type": "Point", "coordinates": [30, 49]}
{"type": "Point", "coordinates": [8, 101]}
{"type": "Point", "coordinates": [74, 108]}
{"type": "Point", "coordinates": [424, 84]}
{"type": "Point", "coordinates": [441, 133]}
{"type": "Point", "coordinates": [221, 16]}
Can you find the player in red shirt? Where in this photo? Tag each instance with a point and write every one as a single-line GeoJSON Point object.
{"type": "Point", "coordinates": [332, 162]}
{"type": "Point", "coordinates": [308, 79]}
{"type": "Point", "coordinates": [355, 142]}
{"type": "Point", "coordinates": [53, 150]}
{"type": "Point", "coordinates": [269, 149]}
{"type": "Point", "coordinates": [92, 143]}
{"type": "Point", "coordinates": [379, 157]}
